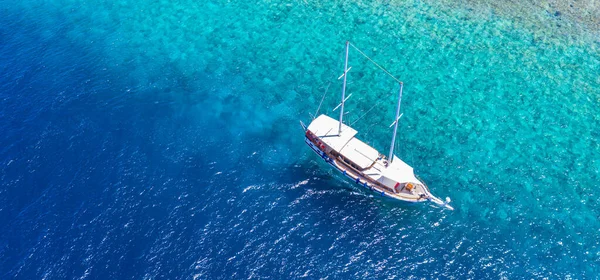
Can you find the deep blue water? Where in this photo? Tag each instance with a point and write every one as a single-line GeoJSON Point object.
{"type": "Point", "coordinates": [160, 140]}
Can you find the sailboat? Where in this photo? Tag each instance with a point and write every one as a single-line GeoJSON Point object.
{"type": "Point", "coordinates": [336, 143]}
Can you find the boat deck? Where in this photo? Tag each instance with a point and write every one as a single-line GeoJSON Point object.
{"type": "Point", "coordinates": [365, 165]}
{"type": "Point", "coordinates": [404, 191]}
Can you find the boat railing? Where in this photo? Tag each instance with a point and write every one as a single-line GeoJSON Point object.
{"type": "Point", "coordinates": [422, 182]}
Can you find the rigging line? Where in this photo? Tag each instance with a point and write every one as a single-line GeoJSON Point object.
{"type": "Point", "coordinates": [369, 130]}
{"type": "Point", "coordinates": [372, 107]}
{"type": "Point", "coordinates": [340, 60]}
{"type": "Point", "coordinates": [380, 67]}
{"type": "Point", "coordinates": [322, 98]}
{"type": "Point", "coordinates": [377, 103]}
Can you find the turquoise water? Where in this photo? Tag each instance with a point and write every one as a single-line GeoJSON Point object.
{"type": "Point", "coordinates": [151, 139]}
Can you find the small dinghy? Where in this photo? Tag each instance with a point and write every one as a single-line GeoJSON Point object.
{"type": "Point", "coordinates": [336, 143]}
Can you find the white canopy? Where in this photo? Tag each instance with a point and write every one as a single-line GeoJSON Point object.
{"type": "Point", "coordinates": [326, 128]}
{"type": "Point", "coordinates": [397, 171]}
{"type": "Point", "coordinates": [360, 153]}
{"type": "Point", "coordinates": [363, 155]}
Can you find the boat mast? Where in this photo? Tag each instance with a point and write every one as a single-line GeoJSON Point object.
{"type": "Point", "coordinates": [344, 88]}
{"type": "Point", "coordinates": [395, 124]}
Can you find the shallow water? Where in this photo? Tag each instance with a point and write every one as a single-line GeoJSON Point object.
{"type": "Point", "coordinates": [160, 139]}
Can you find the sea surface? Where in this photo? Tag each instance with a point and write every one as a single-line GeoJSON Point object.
{"type": "Point", "coordinates": [155, 139]}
